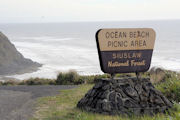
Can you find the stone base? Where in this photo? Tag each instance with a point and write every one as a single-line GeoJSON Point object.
{"type": "Point", "coordinates": [124, 96]}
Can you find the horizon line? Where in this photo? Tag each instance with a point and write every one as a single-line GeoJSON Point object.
{"type": "Point", "coordinates": [147, 20]}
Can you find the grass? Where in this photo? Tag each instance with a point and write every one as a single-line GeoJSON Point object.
{"type": "Point", "coordinates": [170, 87]}
{"type": "Point", "coordinates": [37, 81]}
{"type": "Point", "coordinates": [65, 78]}
{"type": "Point", "coordinates": [73, 78]}
{"type": "Point", "coordinates": [63, 107]}
{"type": "Point", "coordinates": [30, 81]}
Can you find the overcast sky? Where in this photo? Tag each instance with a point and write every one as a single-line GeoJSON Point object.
{"type": "Point", "coordinates": [87, 10]}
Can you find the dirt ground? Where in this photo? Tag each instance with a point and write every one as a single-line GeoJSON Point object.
{"type": "Point", "coordinates": [17, 102]}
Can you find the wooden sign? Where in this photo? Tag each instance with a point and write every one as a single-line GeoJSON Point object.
{"type": "Point", "coordinates": [125, 50]}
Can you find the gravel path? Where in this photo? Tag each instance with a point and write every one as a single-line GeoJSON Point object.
{"type": "Point", "coordinates": [17, 102]}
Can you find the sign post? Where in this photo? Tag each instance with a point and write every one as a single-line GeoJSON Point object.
{"type": "Point", "coordinates": [125, 50]}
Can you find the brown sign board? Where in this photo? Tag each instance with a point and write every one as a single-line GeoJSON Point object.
{"type": "Point", "coordinates": [125, 50]}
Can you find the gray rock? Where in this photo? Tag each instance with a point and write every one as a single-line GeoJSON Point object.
{"type": "Point", "coordinates": [112, 96]}
{"type": "Point", "coordinates": [92, 92]}
{"type": "Point", "coordinates": [106, 105]}
{"type": "Point", "coordinates": [159, 101]}
{"type": "Point", "coordinates": [105, 95]}
{"type": "Point", "coordinates": [138, 88]}
{"type": "Point", "coordinates": [106, 87]}
{"type": "Point", "coordinates": [130, 91]}
{"type": "Point", "coordinates": [167, 102]}
{"type": "Point", "coordinates": [99, 84]}
{"type": "Point", "coordinates": [124, 96]}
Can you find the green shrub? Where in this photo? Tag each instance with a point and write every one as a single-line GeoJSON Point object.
{"type": "Point", "coordinates": [37, 81]}
{"type": "Point", "coordinates": [84, 79]}
{"type": "Point", "coordinates": [73, 78]}
{"type": "Point", "coordinates": [98, 77]}
{"type": "Point", "coordinates": [89, 79]}
{"type": "Point", "coordinates": [69, 78]}
{"type": "Point", "coordinates": [10, 82]}
{"type": "Point", "coordinates": [170, 86]}
{"type": "Point", "coordinates": [1, 83]}
{"type": "Point", "coordinates": [125, 75]}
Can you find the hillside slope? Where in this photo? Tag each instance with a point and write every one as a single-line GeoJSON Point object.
{"type": "Point", "coordinates": [12, 61]}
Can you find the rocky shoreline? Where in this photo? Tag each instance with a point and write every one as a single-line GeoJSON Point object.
{"type": "Point", "coordinates": [12, 61]}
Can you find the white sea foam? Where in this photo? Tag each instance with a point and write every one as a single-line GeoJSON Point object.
{"type": "Point", "coordinates": [63, 47]}
{"type": "Point", "coordinates": [58, 58]}
{"type": "Point", "coordinates": [166, 63]}
{"type": "Point", "coordinates": [85, 61]}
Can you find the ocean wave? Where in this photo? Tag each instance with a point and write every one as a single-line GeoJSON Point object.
{"type": "Point", "coordinates": [72, 46]}
{"type": "Point", "coordinates": [166, 63]}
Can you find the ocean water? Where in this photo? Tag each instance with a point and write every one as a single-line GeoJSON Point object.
{"type": "Point", "coordinates": [71, 46]}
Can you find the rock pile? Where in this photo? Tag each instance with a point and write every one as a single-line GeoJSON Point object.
{"type": "Point", "coordinates": [124, 96]}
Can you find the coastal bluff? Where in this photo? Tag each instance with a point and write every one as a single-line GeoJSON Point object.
{"type": "Point", "coordinates": [12, 61]}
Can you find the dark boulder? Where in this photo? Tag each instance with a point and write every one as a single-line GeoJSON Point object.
{"type": "Point", "coordinates": [124, 96]}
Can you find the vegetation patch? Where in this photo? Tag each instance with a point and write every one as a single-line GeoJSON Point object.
{"type": "Point", "coordinates": [37, 81]}
{"type": "Point", "coordinates": [73, 78]}
{"type": "Point", "coordinates": [63, 107]}
{"type": "Point", "coordinates": [170, 86]}
{"type": "Point", "coordinates": [30, 81]}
